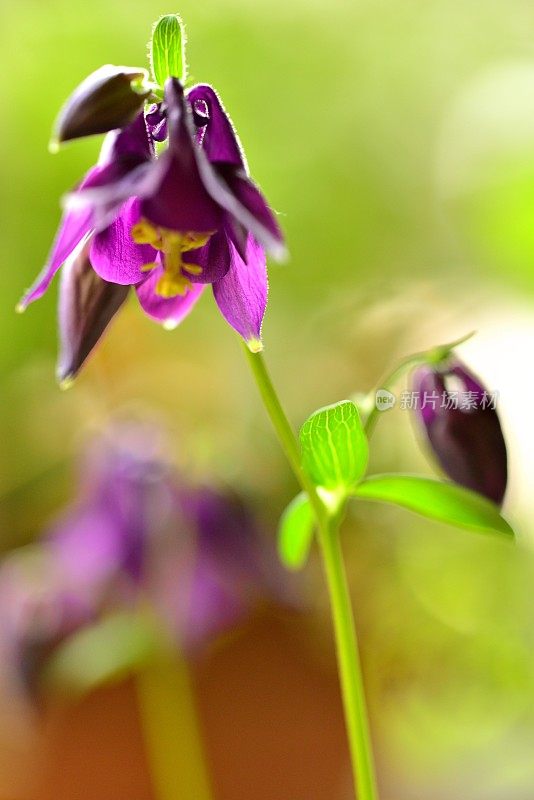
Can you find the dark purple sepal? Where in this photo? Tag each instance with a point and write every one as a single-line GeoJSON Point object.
{"type": "Point", "coordinates": [225, 174]}
{"type": "Point", "coordinates": [87, 304]}
{"type": "Point", "coordinates": [178, 198]}
{"type": "Point", "coordinates": [241, 199]}
{"type": "Point", "coordinates": [124, 171]}
{"type": "Point", "coordinates": [104, 101]}
{"type": "Point", "coordinates": [468, 444]}
{"type": "Point", "coordinates": [156, 122]}
{"type": "Point", "coordinates": [218, 135]}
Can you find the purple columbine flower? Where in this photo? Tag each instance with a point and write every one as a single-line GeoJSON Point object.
{"type": "Point", "coordinates": [462, 426]}
{"type": "Point", "coordinates": [165, 225]}
{"type": "Point", "coordinates": [136, 532]}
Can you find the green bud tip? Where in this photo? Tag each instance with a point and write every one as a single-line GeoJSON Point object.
{"type": "Point", "coordinates": [166, 49]}
{"type": "Point", "coordinates": [442, 352]}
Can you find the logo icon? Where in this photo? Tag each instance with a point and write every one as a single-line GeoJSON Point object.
{"type": "Point", "coordinates": [384, 400]}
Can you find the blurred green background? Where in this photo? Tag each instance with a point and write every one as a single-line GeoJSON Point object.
{"type": "Point", "coordinates": [396, 140]}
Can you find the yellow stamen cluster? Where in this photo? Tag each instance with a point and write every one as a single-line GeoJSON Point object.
{"type": "Point", "coordinates": [172, 244]}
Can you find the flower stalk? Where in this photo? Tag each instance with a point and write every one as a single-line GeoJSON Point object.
{"type": "Point", "coordinates": [349, 667]}
{"type": "Point", "coordinates": [170, 728]}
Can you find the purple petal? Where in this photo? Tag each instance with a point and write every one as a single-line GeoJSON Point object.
{"type": "Point", "coordinates": [114, 254]}
{"type": "Point", "coordinates": [237, 195]}
{"type": "Point", "coordinates": [87, 546]}
{"type": "Point", "coordinates": [169, 311]}
{"type": "Point", "coordinates": [124, 171]}
{"type": "Point", "coordinates": [118, 184]}
{"type": "Point", "coordinates": [219, 138]}
{"type": "Point", "coordinates": [242, 294]}
{"type": "Point", "coordinates": [237, 234]}
{"type": "Point", "coordinates": [214, 258]}
{"type": "Point", "coordinates": [74, 226]}
{"type": "Point", "coordinates": [87, 304]}
{"type": "Point", "coordinates": [132, 142]}
{"type": "Point", "coordinates": [250, 196]}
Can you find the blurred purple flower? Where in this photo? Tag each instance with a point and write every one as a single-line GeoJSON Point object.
{"type": "Point", "coordinates": [462, 427]}
{"type": "Point", "coordinates": [136, 534]}
{"type": "Point", "coordinates": [231, 568]}
{"type": "Point", "coordinates": [39, 610]}
{"type": "Point", "coordinates": [94, 558]}
{"type": "Point", "coordinates": [165, 225]}
{"type": "Point", "coordinates": [125, 507]}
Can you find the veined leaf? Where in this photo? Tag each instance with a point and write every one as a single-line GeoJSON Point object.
{"type": "Point", "coordinates": [334, 446]}
{"type": "Point", "coordinates": [167, 49]}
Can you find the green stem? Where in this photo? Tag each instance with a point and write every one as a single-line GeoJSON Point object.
{"type": "Point", "coordinates": [346, 642]}
{"type": "Point", "coordinates": [349, 665]}
{"type": "Point", "coordinates": [432, 356]}
{"type": "Point", "coordinates": [170, 728]}
{"type": "Point", "coordinates": [388, 383]}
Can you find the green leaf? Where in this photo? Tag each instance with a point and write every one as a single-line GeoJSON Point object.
{"type": "Point", "coordinates": [295, 533]}
{"type": "Point", "coordinates": [334, 446]}
{"type": "Point", "coordinates": [167, 49]}
{"type": "Point", "coordinates": [446, 502]}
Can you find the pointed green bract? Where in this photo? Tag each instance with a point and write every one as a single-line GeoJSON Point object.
{"type": "Point", "coordinates": [295, 533]}
{"type": "Point", "coordinates": [167, 49]}
{"type": "Point", "coordinates": [446, 502]}
{"type": "Point", "coordinates": [334, 446]}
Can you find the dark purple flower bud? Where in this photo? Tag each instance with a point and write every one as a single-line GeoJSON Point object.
{"type": "Point", "coordinates": [87, 304]}
{"type": "Point", "coordinates": [460, 420]}
{"type": "Point", "coordinates": [105, 100]}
